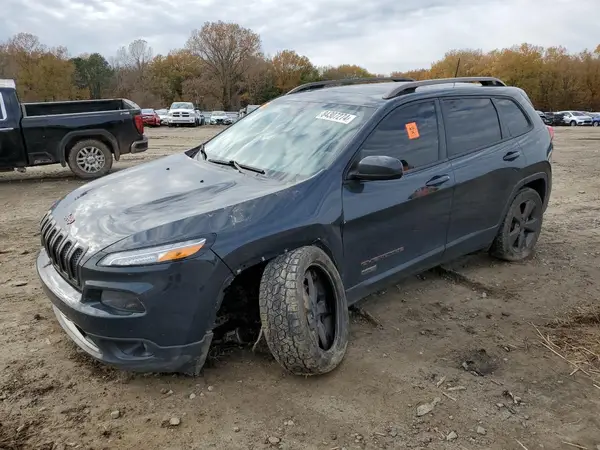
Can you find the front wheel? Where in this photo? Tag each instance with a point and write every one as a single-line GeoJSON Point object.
{"type": "Point", "coordinates": [303, 311]}
{"type": "Point", "coordinates": [573, 123]}
{"type": "Point", "coordinates": [90, 159]}
{"type": "Point", "coordinates": [521, 227]}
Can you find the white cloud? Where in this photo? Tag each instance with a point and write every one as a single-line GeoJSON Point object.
{"type": "Point", "coordinates": [382, 35]}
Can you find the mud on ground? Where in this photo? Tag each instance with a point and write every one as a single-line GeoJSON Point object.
{"type": "Point", "coordinates": [461, 340]}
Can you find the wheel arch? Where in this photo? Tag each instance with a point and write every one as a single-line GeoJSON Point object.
{"type": "Point", "coordinates": [70, 139]}
{"type": "Point", "coordinates": [539, 182]}
{"type": "Point", "coordinates": [247, 267]}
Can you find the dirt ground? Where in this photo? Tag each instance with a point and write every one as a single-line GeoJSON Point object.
{"type": "Point", "coordinates": [461, 339]}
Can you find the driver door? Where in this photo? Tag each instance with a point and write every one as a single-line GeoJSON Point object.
{"type": "Point", "coordinates": [393, 226]}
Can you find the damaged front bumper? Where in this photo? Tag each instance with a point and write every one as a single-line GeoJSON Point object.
{"type": "Point", "coordinates": [172, 332]}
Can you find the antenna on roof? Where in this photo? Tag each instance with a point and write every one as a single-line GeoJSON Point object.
{"type": "Point", "coordinates": [457, 66]}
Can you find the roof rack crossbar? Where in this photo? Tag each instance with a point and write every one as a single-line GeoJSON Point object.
{"type": "Point", "coordinates": [345, 82]}
{"type": "Point", "coordinates": [412, 86]}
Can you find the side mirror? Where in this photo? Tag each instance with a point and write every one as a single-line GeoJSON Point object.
{"type": "Point", "coordinates": [377, 168]}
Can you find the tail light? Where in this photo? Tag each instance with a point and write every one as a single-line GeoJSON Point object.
{"type": "Point", "coordinates": [551, 132]}
{"type": "Point", "coordinates": [139, 123]}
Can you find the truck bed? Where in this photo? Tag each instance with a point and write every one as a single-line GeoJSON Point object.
{"type": "Point", "coordinates": [75, 107]}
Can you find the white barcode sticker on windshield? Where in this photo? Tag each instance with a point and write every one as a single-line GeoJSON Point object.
{"type": "Point", "coordinates": [336, 116]}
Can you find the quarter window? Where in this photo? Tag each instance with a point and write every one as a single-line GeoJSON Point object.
{"type": "Point", "coordinates": [512, 116]}
{"type": "Point", "coordinates": [409, 133]}
{"type": "Point", "coordinates": [471, 123]}
{"type": "Point", "coordinates": [2, 108]}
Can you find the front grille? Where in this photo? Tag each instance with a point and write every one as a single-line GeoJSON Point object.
{"type": "Point", "coordinates": [64, 251]}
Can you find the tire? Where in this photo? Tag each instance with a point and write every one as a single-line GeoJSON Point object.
{"type": "Point", "coordinates": [520, 229]}
{"type": "Point", "coordinates": [284, 303]}
{"type": "Point", "coordinates": [595, 124]}
{"type": "Point", "coordinates": [573, 123]}
{"type": "Point", "coordinates": [90, 159]}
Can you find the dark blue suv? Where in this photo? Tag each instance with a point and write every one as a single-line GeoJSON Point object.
{"type": "Point", "coordinates": [283, 220]}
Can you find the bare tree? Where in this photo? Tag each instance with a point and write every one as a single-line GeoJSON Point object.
{"type": "Point", "coordinates": [226, 50]}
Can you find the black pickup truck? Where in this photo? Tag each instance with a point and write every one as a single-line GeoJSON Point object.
{"type": "Point", "coordinates": [87, 135]}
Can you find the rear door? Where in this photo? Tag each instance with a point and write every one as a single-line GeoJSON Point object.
{"type": "Point", "coordinates": [487, 161]}
{"type": "Point", "coordinates": [12, 150]}
{"type": "Point", "coordinates": [399, 225]}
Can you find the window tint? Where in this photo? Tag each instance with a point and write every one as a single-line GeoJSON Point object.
{"type": "Point", "coordinates": [2, 108]}
{"type": "Point", "coordinates": [471, 123]}
{"type": "Point", "coordinates": [514, 118]}
{"type": "Point", "coordinates": [410, 133]}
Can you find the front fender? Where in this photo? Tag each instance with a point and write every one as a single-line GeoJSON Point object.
{"type": "Point", "coordinates": [240, 258]}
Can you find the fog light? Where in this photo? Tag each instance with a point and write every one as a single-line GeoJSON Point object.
{"type": "Point", "coordinates": [122, 301]}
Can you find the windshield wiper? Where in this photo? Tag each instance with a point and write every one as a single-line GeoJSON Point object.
{"type": "Point", "coordinates": [236, 165]}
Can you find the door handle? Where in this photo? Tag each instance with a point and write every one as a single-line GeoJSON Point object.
{"type": "Point", "coordinates": [438, 180]}
{"type": "Point", "coordinates": [511, 156]}
{"type": "Point", "coordinates": [6, 129]}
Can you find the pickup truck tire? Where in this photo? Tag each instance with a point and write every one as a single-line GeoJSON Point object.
{"type": "Point", "coordinates": [303, 311]}
{"type": "Point", "coordinates": [90, 159]}
{"type": "Point", "coordinates": [521, 227]}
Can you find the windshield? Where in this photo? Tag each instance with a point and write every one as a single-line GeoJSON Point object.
{"type": "Point", "coordinates": [577, 113]}
{"type": "Point", "coordinates": [289, 139]}
{"type": "Point", "coordinates": [182, 105]}
{"type": "Point", "coordinates": [218, 113]}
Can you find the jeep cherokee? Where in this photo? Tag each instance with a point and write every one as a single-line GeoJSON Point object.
{"type": "Point", "coordinates": [292, 214]}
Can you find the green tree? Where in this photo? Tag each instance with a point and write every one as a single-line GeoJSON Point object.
{"type": "Point", "coordinates": [92, 73]}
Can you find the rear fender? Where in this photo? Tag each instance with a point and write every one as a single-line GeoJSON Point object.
{"type": "Point", "coordinates": [519, 186]}
{"type": "Point", "coordinates": [86, 134]}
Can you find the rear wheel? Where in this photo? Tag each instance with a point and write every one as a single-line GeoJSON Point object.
{"type": "Point", "coordinates": [303, 311]}
{"type": "Point", "coordinates": [90, 159]}
{"type": "Point", "coordinates": [595, 124]}
{"type": "Point", "coordinates": [521, 227]}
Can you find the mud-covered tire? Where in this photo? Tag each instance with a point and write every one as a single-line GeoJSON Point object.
{"type": "Point", "coordinates": [285, 311]}
{"type": "Point", "coordinates": [520, 224]}
{"type": "Point", "coordinates": [95, 148]}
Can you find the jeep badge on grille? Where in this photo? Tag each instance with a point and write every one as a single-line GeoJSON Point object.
{"type": "Point", "coordinates": [69, 219]}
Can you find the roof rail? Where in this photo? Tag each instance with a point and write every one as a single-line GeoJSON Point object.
{"type": "Point", "coordinates": [411, 87]}
{"type": "Point", "coordinates": [344, 82]}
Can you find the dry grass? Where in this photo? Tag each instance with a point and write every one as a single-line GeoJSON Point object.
{"type": "Point", "coordinates": [576, 339]}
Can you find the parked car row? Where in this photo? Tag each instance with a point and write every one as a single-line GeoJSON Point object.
{"type": "Point", "coordinates": [184, 113]}
{"type": "Point", "coordinates": [570, 118]}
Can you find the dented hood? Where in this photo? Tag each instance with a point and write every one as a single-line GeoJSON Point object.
{"type": "Point", "coordinates": [165, 200]}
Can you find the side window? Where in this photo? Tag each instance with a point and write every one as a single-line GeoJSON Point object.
{"type": "Point", "coordinates": [2, 108]}
{"type": "Point", "coordinates": [409, 133]}
{"type": "Point", "coordinates": [514, 118]}
{"type": "Point", "coordinates": [471, 123]}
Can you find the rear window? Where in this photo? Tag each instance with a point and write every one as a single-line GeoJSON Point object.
{"type": "Point", "coordinates": [471, 123]}
{"type": "Point", "coordinates": [516, 121]}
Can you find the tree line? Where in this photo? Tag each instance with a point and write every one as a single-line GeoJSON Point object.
{"type": "Point", "coordinates": [222, 66]}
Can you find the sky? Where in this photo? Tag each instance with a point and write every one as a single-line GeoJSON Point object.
{"type": "Point", "coordinates": [380, 35]}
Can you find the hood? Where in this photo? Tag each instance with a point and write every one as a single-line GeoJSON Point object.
{"type": "Point", "coordinates": [183, 110]}
{"type": "Point", "coordinates": [171, 197]}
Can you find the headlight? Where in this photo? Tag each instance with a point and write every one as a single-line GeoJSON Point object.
{"type": "Point", "coordinates": [153, 255]}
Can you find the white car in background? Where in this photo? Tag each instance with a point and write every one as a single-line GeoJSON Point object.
{"type": "Point", "coordinates": [219, 118]}
{"type": "Point", "coordinates": [182, 113]}
{"type": "Point", "coordinates": [576, 118]}
{"type": "Point", "coordinates": [163, 114]}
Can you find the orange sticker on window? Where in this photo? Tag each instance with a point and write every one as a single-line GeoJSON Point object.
{"type": "Point", "coordinates": [412, 130]}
